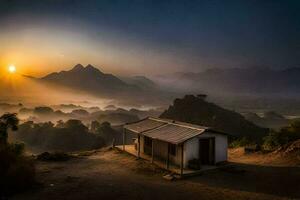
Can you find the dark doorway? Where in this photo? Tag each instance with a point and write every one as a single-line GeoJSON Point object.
{"type": "Point", "coordinates": [147, 145]}
{"type": "Point", "coordinates": [207, 151]}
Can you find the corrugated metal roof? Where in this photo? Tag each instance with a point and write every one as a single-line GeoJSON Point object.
{"type": "Point", "coordinates": [144, 125]}
{"type": "Point", "coordinates": [173, 134]}
{"type": "Point", "coordinates": [166, 130]}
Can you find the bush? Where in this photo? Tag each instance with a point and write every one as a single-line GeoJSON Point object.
{"type": "Point", "coordinates": [241, 142]}
{"type": "Point", "coordinates": [286, 135]}
{"type": "Point", "coordinates": [17, 172]}
{"type": "Point", "coordinates": [272, 141]}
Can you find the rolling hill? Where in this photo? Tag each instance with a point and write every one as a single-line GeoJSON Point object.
{"type": "Point", "coordinates": [196, 110]}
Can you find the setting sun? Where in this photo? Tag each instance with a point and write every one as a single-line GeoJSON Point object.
{"type": "Point", "coordinates": [11, 69]}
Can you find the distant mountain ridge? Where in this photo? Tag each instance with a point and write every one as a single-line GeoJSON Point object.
{"type": "Point", "coordinates": [141, 81]}
{"type": "Point", "coordinates": [134, 90]}
{"type": "Point", "coordinates": [269, 119]}
{"type": "Point", "coordinates": [89, 79]}
{"type": "Point", "coordinates": [237, 80]}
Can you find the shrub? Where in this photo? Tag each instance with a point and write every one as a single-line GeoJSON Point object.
{"type": "Point", "coordinates": [272, 141]}
{"type": "Point", "coordinates": [287, 134]}
{"type": "Point", "coordinates": [240, 142]}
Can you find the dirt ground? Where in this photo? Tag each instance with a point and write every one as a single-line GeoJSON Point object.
{"type": "Point", "coordinates": [111, 174]}
{"type": "Point", "coordinates": [279, 159]}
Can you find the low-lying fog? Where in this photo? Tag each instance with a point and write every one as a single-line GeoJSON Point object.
{"type": "Point", "coordinates": [31, 93]}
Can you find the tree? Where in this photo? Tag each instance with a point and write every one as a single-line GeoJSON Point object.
{"type": "Point", "coordinates": [7, 121]}
{"type": "Point", "coordinates": [95, 125]}
{"type": "Point", "coordinates": [80, 112]}
{"type": "Point", "coordinates": [60, 124]}
{"type": "Point", "coordinates": [47, 125]}
{"type": "Point", "coordinates": [76, 125]}
{"type": "Point", "coordinates": [43, 110]}
{"type": "Point", "coordinates": [106, 132]}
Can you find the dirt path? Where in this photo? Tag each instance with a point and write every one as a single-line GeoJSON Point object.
{"type": "Point", "coordinates": [115, 175]}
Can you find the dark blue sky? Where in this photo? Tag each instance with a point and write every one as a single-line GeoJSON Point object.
{"type": "Point", "coordinates": [194, 34]}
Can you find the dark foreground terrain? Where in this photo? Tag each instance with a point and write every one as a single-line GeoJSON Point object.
{"type": "Point", "coordinates": [111, 174]}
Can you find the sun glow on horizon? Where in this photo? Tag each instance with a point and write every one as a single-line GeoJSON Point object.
{"type": "Point", "coordinates": [12, 69]}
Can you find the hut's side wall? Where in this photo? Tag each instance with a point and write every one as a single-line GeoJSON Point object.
{"type": "Point", "coordinates": [191, 150]}
{"type": "Point", "coordinates": [161, 151]}
{"type": "Point", "coordinates": [221, 147]}
{"type": "Point", "coordinates": [191, 147]}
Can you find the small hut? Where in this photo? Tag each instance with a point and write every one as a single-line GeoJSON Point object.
{"type": "Point", "coordinates": [177, 143]}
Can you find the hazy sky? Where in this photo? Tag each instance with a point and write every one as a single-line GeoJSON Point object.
{"type": "Point", "coordinates": [148, 37]}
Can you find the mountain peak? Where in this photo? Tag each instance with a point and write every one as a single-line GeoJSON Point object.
{"type": "Point", "coordinates": [91, 68]}
{"type": "Point", "coordinates": [77, 67]}
{"type": "Point", "coordinates": [87, 69]}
